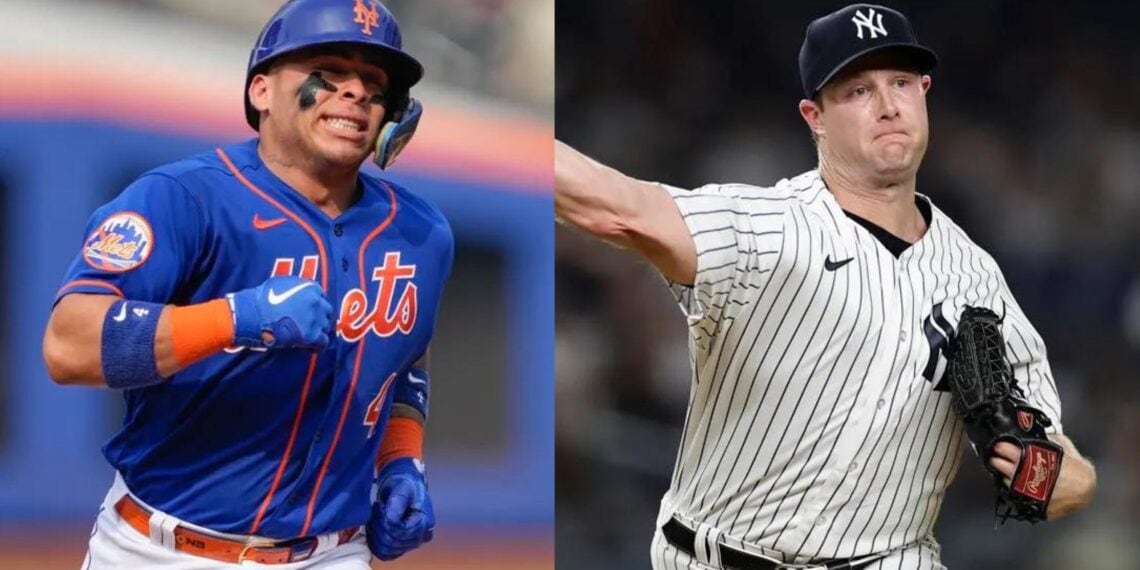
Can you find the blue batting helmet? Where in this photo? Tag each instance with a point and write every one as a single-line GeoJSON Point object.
{"type": "Point", "coordinates": [366, 24]}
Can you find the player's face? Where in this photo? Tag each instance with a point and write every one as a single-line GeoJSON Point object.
{"type": "Point", "coordinates": [328, 105]}
{"type": "Point", "coordinates": [874, 120]}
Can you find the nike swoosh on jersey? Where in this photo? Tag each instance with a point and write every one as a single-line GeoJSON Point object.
{"type": "Point", "coordinates": [260, 223]}
{"type": "Point", "coordinates": [122, 314]}
{"type": "Point", "coordinates": [412, 378]}
{"type": "Point", "coordinates": [830, 265]}
{"type": "Point", "coordinates": [278, 298]}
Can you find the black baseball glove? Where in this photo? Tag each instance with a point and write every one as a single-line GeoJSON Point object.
{"type": "Point", "coordinates": [986, 396]}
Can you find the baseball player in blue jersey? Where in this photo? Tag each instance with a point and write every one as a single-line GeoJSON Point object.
{"type": "Point", "coordinates": [266, 309]}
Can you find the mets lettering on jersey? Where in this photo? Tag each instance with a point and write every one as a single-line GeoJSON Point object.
{"type": "Point", "coordinates": [275, 443]}
{"type": "Point", "coordinates": [814, 427]}
{"type": "Point", "coordinates": [384, 319]}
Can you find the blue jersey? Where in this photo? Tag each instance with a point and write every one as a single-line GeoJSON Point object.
{"type": "Point", "coordinates": [274, 443]}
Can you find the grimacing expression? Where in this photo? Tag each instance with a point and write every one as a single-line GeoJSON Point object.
{"type": "Point", "coordinates": [875, 119]}
{"type": "Point", "coordinates": [333, 116]}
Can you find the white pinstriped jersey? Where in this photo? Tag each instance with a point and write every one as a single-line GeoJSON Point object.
{"type": "Point", "coordinates": [816, 424]}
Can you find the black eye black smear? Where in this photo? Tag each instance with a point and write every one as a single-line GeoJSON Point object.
{"type": "Point", "coordinates": [307, 92]}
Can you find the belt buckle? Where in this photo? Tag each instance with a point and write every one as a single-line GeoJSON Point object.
{"type": "Point", "coordinates": [251, 543]}
{"type": "Point", "coordinates": [296, 554]}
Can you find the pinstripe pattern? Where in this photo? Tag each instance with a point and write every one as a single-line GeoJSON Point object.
{"type": "Point", "coordinates": [812, 429]}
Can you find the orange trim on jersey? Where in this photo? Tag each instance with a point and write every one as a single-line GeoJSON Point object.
{"type": "Point", "coordinates": [383, 225]}
{"type": "Point", "coordinates": [93, 282]}
{"type": "Point", "coordinates": [197, 331]}
{"type": "Point", "coordinates": [403, 437]}
{"type": "Point", "coordinates": [312, 361]}
{"type": "Point", "coordinates": [288, 213]}
{"type": "Point", "coordinates": [355, 367]}
{"type": "Point", "coordinates": [336, 436]}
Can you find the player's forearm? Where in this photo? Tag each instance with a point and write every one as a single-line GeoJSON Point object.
{"type": "Point", "coordinates": [165, 357]}
{"type": "Point", "coordinates": [72, 342]}
{"type": "Point", "coordinates": [1076, 483]}
{"type": "Point", "coordinates": [404, 434]}
{"type": "Point", "coordinates": [594, 197]}
{"type": "Point", "coordinates": [75, 347]}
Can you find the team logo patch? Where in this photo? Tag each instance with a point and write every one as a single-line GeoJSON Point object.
{"type": "Point", "coordinates": [121, 243]}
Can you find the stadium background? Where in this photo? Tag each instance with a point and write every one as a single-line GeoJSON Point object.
{"type": "Point", "coordinates": [95, 92]}
{"type": "Point", "coordinates": [1035, 151]}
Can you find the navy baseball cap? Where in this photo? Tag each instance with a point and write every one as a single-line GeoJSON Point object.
{"type": "Point", "coordinates": [839, 38]}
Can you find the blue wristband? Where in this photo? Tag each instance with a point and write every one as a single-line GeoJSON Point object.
{"type": "Point", "coordinates": [128, 344]}
{"type": "Point", "coordinates": [414, 390]}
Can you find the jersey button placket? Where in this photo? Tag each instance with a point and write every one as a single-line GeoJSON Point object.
{"type": "Point", "coordinates": [338, 257]}
{"type": "Point", "coordinates": [338, 231]}
{"type": "Point", "coordinates": [878, 374]}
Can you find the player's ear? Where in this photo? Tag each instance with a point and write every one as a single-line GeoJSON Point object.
{"type": "Point", "coordinates": [812, 114]}
{"type": "Point", "coordinates": [259, 92]}
{"type": "Point", "coordinates": [925, 82]}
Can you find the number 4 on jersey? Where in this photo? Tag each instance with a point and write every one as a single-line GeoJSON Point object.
{"type": "Point", "coordinates": [372, 416]}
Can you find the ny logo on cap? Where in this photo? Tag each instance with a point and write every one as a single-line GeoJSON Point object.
{"type": "Point", "coordinates": [370, 17]}
{"type": "Point", "coordinates": [872, 21]}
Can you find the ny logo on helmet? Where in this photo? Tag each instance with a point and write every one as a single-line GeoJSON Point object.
{"type": "Point", "coordinates": [874, 25]}
{"type": "Point", "coordinates": [367, 16]}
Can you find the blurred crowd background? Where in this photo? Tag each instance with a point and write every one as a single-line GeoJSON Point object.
{"type": "Point", "coordinates": [499, 48]}
{"type": "Point", "coordinates": [95, 92]}
{"type": "Point", "coordinates": [1035, 151]}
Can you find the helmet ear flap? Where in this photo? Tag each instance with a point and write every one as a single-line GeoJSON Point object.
{"type": "Point", "coordinates": [396, 133]}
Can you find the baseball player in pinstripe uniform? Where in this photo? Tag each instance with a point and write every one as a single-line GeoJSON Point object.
{"type": "Point", "coordinates": [819, 309]}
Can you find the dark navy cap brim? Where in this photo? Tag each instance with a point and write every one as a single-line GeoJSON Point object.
{"type": "Point", "coordinates": [925, 59]}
